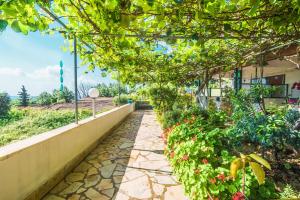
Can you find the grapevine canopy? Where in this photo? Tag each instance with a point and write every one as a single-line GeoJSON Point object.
{"type": "Point", "coordinates": [203, 37]}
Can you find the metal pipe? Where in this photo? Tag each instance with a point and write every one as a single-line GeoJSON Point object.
{"type": "Point", "coordinates": [119, 88]}
{"type": "Point", "coordinates": [94, 107]}
{"type": "Point", "coordinates": [75, 80]}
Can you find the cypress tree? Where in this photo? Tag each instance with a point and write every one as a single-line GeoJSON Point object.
{"type": "Point", "coordinates": [23, 96]}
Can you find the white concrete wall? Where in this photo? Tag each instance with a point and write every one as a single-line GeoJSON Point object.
{"type": "Point", "coordinates": [275, 67]}
{"type": "Point", "coordinates": [27, 165]}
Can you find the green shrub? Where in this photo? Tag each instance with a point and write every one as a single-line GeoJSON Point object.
{"type": "Point", "coordinates": [200, 155]}
{"type": "Point", "coordinates": [13, 115]}
{"type": "Point", "coordinates": [272, 130]}
{"type": "Point", "coordinates": [170, 118]}
{"type": "Point", "coordinates": [25, 123]}
{"type": "Point", "coordinates": [289, 193]}
{"type": "Point", "coordinates": [44, 99]}
{"type": "Point", "coordinates": [162, 97]}
{"type": "Point", "coordinates": [122, 100]}
{"type": "Point", "coordinates": [4, 104]}
{"type": "Point", "coordinates": [65, 96]}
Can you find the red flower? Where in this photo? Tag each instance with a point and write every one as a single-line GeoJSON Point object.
{"type": "Point", "coordinates": [213, 180]}
{"type": "Point", "coordinates": [221, 177]}
{"type": "Point", "coordinates": [185, 157]}
{"type": "Point", "coordinates": [197, 171]}
{"type": "Point", "coordinates": [172, 154]}
{"type": "Point", "coordinates": [205, 161]}
{"type": "Point", "coordinates": [194, 138]}
{"type": "Point", "coordinates": [186, 121]}
{"type": "Point", "coordinates": [238, 196]}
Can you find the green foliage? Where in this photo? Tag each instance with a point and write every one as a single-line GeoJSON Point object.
{"type": "Point", "coordinates": [289, 193]}
{"type": "Point", "coordinates": [65, 96]}
{"type": "Point", "coordinates": [24, 123]}
{"type": "Point", "coordinates": [200, 155]}
{"type": "Point", "coordinates": [122, 100]}
{"type": "Point", "coordinates": [111, 89]}
{"type": "Point", "coordinates": [162, 97]}
{"type": "Point", "coordinates": [4, 104]}
{"type": "Point", "coordinates": [23, 97]}
{"type": "Point", "coordinates": [44, 99]}
{"type": "Point", "coordinates": [170, 118]}
{"type": "Point", "coordinates": [272, 130]}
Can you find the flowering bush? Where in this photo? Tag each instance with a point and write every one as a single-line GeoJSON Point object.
{"type": "Point", "coordinates": [198, 153]}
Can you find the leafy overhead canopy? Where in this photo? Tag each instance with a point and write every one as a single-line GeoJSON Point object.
{"type": "Point", "coordinates": [205, 36]}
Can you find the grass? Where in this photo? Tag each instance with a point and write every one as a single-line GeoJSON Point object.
{"type": "Point", "coordinates": [23, 123]}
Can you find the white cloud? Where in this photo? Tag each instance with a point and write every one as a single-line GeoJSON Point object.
{"type": "Point", "coordinates": [44, 79]}
{"type": "Point", "coordinates": [45, 73]}
{"type": "Point", "coordinates": [16, 72]}
{"type": "Point", "coordinates": [36, 81]}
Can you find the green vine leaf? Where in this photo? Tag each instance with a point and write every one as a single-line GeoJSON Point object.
{"type": "Point", "coordinates": [3, 25]}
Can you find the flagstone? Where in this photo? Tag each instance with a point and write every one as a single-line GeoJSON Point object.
{"type": "Point", "coordinates": [92, 171]}
{"type": "Point", "coordinates": [165, 180]}
{"type": "Point", "coordinates": [158, 189]}
{"type": "Point", "coordinates": [84, 166]}
{"type": "Point", "coordinates": [81, 190]}
{"type": "Point", "coordinates": [175, 192]}
{"type": "Point", "coordinates": [138, 188]}
{"type": "Point", "coordinates": [126, 165]}
{"type": "Point", "coordinates": [74, 197]}
{"type": "Point", "coordinates": [53, 197]}
{"type": "Point", "coordinates": [109, 192]}
{"type": "Point", "coordinates": [91, 181]}
{"type": "Point", "coordinates": [107, 170]}
{"type": "Point", "coordinates": [106, 162]}
{"type": "Point", "coordinates": [73, 177]}
{"type": "Point", "coordinates": [59, 187]}
{"type": "Point", "coordinates": [72, 188]}
{"type": "Point", "coordinates": [94, 195]}
{"type": "Point", "coordinates": [105, 184]}
{"type": "Point", "coordinates": [126, 145]}
{"type": "Point", "coordinates": [117, 179]}
{"type": "Point", "coordinates": [121, 196]}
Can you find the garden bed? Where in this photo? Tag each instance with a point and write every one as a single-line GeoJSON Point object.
{"type": "Point", "coordinates": [243, 154]}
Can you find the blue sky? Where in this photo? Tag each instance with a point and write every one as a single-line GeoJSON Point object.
{"type": "Point", "coordinates": [33, 61]}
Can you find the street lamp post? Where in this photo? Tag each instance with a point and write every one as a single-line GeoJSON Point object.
{"type": "Point", "coordinates": [93, 93]}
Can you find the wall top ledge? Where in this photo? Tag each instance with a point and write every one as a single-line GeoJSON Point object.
{"type": "Point", "coordinates": [16, 147]}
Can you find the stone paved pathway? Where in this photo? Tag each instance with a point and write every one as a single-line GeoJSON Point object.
{"type": "Point", "coordinates": [128, 165]}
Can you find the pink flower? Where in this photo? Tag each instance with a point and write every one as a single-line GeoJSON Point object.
{"type": "Point", "coordinates": [172, 154]}
{"type": "Point", "coordinates": [213, 180]}
{"type": "Point", "coordinates": [238, 196]}
{"type": "Point", "coordinates": [185, 157]}
{"type": "Point", "coordinates": [221, 177]}
{"type": "Point", "coordinates": [205, 161]}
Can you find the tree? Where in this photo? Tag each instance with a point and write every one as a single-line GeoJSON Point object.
{"type": "Point", "coordinates": [207, 37]}
{"type": "Point", "coordinates": [83, 90]}
{"type": "Point", "coordinates": [44, 99]}
{"type": "Point", "coordinates": [65, 96]}
{"type": "Point", "coordinates": [23, 97]}
{"type": "Point", "coordinates": [4, 104]}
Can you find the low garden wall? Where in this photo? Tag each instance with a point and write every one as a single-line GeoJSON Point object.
{"type": "Point", "coordinates": [31, 167]}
